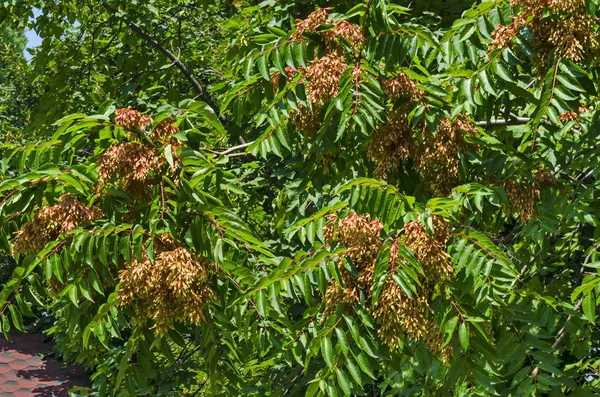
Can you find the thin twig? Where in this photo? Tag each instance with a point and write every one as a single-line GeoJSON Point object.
{"type": "Point", "coordinates": [154, 43]}
{"type": "Point", "coordinates": [230, 151]}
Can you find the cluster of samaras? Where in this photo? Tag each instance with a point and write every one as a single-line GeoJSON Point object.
{"type": "Point", "coordinates": [173, 287]}
{"type": "Point", "coordinates": [435, 156]}
{"type": "Point", "coordinates": [561, 27]}
{"type": "Point", "coordinates": [322, 76]}
{"type": "Point", "coordinates": [134, 165]}
{"type": "Point", "coordinates": [50, 222]}
{"type": "Point", "coordinates": [397, 315]}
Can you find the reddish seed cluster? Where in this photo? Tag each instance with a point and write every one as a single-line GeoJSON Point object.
{"type": "Point", "coordinates": [336, 297]}
{"type": "Point", "coordinates": [543, 177]}
{"type": "Point", "coordinates": [51, 221]}
{"type": "Point", "coordinates": [324, 78]}
{"type": "Point", "coordinates": [290, 74]}
{"type": "Point", "coordinates": [132, 165]}
{"type": "Point", "coordinates": [396, 313]}
{"type": "Point", "coordinates": [164, 130]}
{"type": "Point", "coordinates": [343, 30]}
{"type": "Point", "coordinates": [503, 36]}
{"type": "Point", "coordinates": [346, 31]}
{"type": "Point", "coordinates": [562, 27]}
{"type": "Point", "coordinates": [311, 23]}
{"type": "Point", "coordinates": [131, 119]}
{"type": "Point", "coordinates": [401, 87]}
{"type": "Point", "coordinates": [391, 142]}
{"type": "Point", "coordinates": [173, 288]}
{"type": "Point", "coordinates": [307, 121]}
{"type": "Point", "coordinates": [523, 197]}
{"type": "Point", "coordinates": [362, 238]}
{"type": "Point", "coordinates": [571, 115]}
{"type": "Point", "coordinates": [430, 249]}
{"type": "Point", "coordinates": [359, 234]}
{"type": "Point", "coordinates": [437, 158]}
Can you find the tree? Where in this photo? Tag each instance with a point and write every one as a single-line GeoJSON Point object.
{"type": "Point", "coordinates": [412, 208]}
{"type": "Point", "coordinates": [14, 72]}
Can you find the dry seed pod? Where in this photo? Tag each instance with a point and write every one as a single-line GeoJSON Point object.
{"type": "Point", "coordinates": [131, 119]}
{"type": "Point", "coordinates": [523, 196]}
{"type": "Point", "coordinates": [132, 165]}
{"type": "Point", "coordinates": [173, 288]}
{"type": "Point", "coordinates": [323, 77]}
{"type": "Point", "coordinates": [311, 23]}
{"type": "Point", "coordinates": [49, 222]}
{"type": "Point", "coordinates": [429, 249]}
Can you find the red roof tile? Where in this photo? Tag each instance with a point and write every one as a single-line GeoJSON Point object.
{"type": "Point", "coordinates": [26, 372]}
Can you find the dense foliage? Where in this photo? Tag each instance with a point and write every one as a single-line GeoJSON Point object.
{"type": "Point", "coordinates": [359, 199]}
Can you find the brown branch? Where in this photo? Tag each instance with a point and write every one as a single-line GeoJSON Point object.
{"type": "Point", "coordinates": [176, 61]}
{"type": "Point", "coordinates": [230, 151]}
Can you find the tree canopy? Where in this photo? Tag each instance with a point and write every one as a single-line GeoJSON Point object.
{"type": "Point", "coordinates": [306, 198]}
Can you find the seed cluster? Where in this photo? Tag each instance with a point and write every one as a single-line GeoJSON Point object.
{"type": "Point", "coordinates": [324, 78]}
{"type": "Point", "coordinates": [503, 36]}
{"type": "Point", "coordinates": [544, 178]}
{"type": "Point", "coordinates": [560, 27]}
{"type": "Point", "coordinates": [132, 165]}
{"type": "Point", "coordinates": [307, 121]}
{"type": "Point", "coordinates": [430, 249]}
{"type": "Point", "coordinates": [311, 23]}
{"type": "Point", "coordinates": [51, 221]}
{"type": "Point", "coordinates": [290, 74]}
{"type": "Point", "coordinates": [523, 196]}
{"type": "Point", "coordinates": [437, 159]}
{"type": "Point", "coordinates": [164, 130]}
{"type": "Point", "coordinates": [131, 119]}
{"type": "Point", "coordinates": [173, 288]}
{"type": "Point", "coordinates": [434, 156]}
{"type": "Point", "coordinates": [396, 314]}
{"type": "Point", "coordinates": [346, 31]}
{"type": "Point", "coordinates": [571, 115]}
{"type": "Point", "coordinates": [391, 142]}
{"type": "Point", "coordinates": [401, 87]}
{"type": "Point", "coordinates": [343, 30]}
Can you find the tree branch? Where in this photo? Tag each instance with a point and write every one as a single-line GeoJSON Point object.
{"type": "Point", "coordinates": [512, 120]}
{"type": "Point", "coordinates": [230, 151]}
{"type": "Point", "coordinates": [176, 61]}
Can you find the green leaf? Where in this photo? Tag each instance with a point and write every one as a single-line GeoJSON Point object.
{"type": "Point", "coordinates": [589, 306]}
{"type": "Point", "coordinates": [449, 329]}
{"type": "Point", "coordinates": [263, 68]}
{"type": "Point", "coordinates": [354, 370]}
{"type": "Point", "coordinates": [485, 81]}
{"type": "Point", "coordinates": [344, 382]}
{"type": "Point", "coordinates": [502, 71]}
{"type": "Point", "coordinates": [169, 155]}
{"type": "Point", "coordinates": [327, 351]}
{"type": "Point", "coordinates": [364, 364]}
{"type": "Point", "coordinates": [72, 293]}
{"type": "Point", "coordinates": [463, 335]}
{"type": "Point", "coordinates": [342, 340]}
{"type": "Point", "coordinates": [17, 318]}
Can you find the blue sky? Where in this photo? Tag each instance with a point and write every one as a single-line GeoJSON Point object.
{"type": "Point", "coordinates": [33, 40]}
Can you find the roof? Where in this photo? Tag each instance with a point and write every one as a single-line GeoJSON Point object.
{"type": "Point", "coordinates": [26, 370]}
